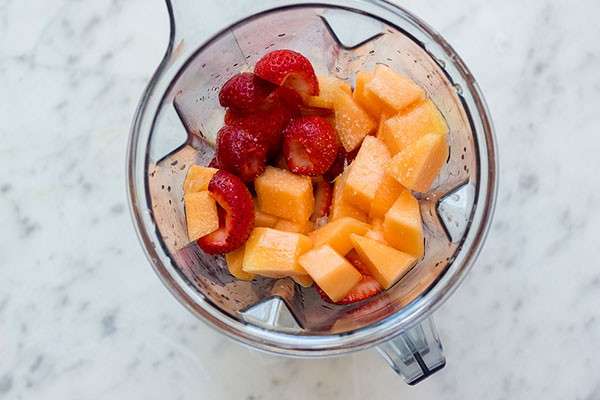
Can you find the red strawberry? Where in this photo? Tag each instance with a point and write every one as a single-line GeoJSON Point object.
{"type": "Point", "coordinates": [323, 195]}
{"type": "Point", "coordinates": [364, 289]}
{"type": "Point", "coordinates": [214, 163]}
{"type": "Point", "coordinates": [240, 152]}
{"type": "Point", "coordinates": [287, 97]}
{"type": "Point", "coordinates": [234, 198]}
{"type": "Point", "coordinates": [245, 92]}
{"type": "Point", "coordinates": [309, 145]}
{"type": "Point", "coordinates": [288, 68]}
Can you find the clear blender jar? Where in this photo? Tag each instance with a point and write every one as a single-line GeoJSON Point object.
{"type": "Point", "coordinates": [175, 126]}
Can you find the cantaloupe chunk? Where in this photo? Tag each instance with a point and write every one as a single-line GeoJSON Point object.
{"type": "Point", "coordinates": [285, 195]}
{"type": "Point", "coordinates": [234, 264]}
{"type": "Point", "coordinates": [417, 166]}
{"type": "Point", "coordinates": [403, 129]}
{"type": "Point", "coordinates": [366, 173]}
{"type": "Point", "coordinates": [291, 226]}
{"type": "Point", "coordinates": [264, 220]}
{"type": "Point", "coordinates": [327, 87]}
{"type": "Point", "coordinates": [337, 234]}
{"type": "Point", "coordinates": [402, 226]}
{"type": "Point", "coordinates": [340, 208]}
{"type": "Point", "coordinates": [386, 264]}
{"type": "Point", "coordinates": [303, 280]}
{"type": "Point", "coordinates": [367, 100]}
{"type": "Point", "coordinates": [393, 89]}
{"type": "Point", "coordinates": [387, 192]}
{"type": "Point", "coordinates": [332, 272]}
{"type": "Point", "coordinates": [274, 253]}
{"type": "Point", "coordinates": [197, 179]}
{"type": "Point", "coordinates": [352, 123]}
{"type": "Point", "coordinates": [200, 214]}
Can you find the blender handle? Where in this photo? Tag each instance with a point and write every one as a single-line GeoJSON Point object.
{"type": "Point", "coordinates": [415, 353]}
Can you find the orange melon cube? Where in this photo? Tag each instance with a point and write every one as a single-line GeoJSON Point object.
{"type": "Point", "coordinates": [332, 272]}
{"type": "Point", "coordinates": [285, 195]}
{"type": "Point", "coordinates": [200, 214]}
{"type": "Point", "coordinates": [336, 234]}
{"type": "Point", "coordinates": [404, 129]}
{"type": "Point", "coordinates": [417, 166]}
{"type": "Point", "coordinates": [274, 253]}
{"type": "Point", "coordinates": [327, 87]}
{"type": "Point", "coordinates": [393, 89]}
{"type": "Point", "coordinates": [386, 264]}
{"type": "Point", "coordinates": [234, 264]}
{"type": "Point", "coordinates": [290, 226]}
{"type": "Point", "coordinates": [366, 172]}
{"type": "Point", "coordinates": [264, 220]}
{"type": "Point", "coordinates": [303, 280]}
{"type": "Point", "coordinates": [340, 208]}
{"type": "Point", "coordinates": [402, 226]}
{"type": "Point", "coordinates": [197, 179]}
{"type": "Point", "coordinates": [388, 191]}
{"type": "Point", "coordinates": [366, 99]}
{"type": "Point", "coordinates": [351, 122]}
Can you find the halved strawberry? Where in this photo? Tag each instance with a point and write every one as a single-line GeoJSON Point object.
{"type": "Point", "coordinates": [323, 195]}
{"type": "Point", "coordinates": [365, 288]}
{"type": "Point", "coordinates": [235, 200]}
{"type": "Point", "coordinates": [287, 97]}
{"type": "Point", "coordinates": [245, 92]}
{"type": "Point", "coordinates": [288, 68]}
{"type": "Point", "coordinates": [240, 152]}
{"type": "Point", "coordinates": [309, 145]}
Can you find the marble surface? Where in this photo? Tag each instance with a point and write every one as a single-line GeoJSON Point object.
{"type": "Point", "coordinates": [82, 316]}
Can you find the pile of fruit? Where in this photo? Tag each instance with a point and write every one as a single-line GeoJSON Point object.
{"type": "Point", "coordinates": [313, 180]}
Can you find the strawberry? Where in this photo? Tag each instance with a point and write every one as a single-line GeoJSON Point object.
{"type": "Point", "coordinates": [288, 68]}
{"type": "Point", "coordinates": [245, 92]}
{"type": "Point", "coordinates": [287, 97]}
{"type": "Point", "coordinates": [240, 152]}
{"type": "Point", "coordinates": [309, 145]}
{"type": "Point", "coordinates": [235, 200]}
{"type": "Point", "coordinates": [342, 160]}
{"type": "Point", "coordinates": [364, 289]}
{"type": "Point", "coordinates": [214, 163]}
{"type": "Point", "coordinates": [323, 195]}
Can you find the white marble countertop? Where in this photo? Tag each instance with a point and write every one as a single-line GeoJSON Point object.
{"type": "Point", "coordinates": [82, 315]}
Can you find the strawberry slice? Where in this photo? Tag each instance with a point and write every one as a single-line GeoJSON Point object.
{"type": "Point", "coordinates": [245, 92]}
{"type": "Point", "coordinates": [309, 145]}
{"type": "Point", "coordinates": [365, 288]}
{"type": "Point", "coordinates": [235, 200]}
{"type": "Point", "coordinates": [288, 68]}
{"type": "Point", "coordinates": [323, 196]}
{"type": "Point", "coordinates": [240, 152]}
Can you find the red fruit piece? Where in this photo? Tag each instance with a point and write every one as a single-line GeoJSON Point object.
{"type": "Point", "coordinates": [214, 163]}
{"type": "Point", "coordinates": [240, 152]}
{"type": "Point", "coordinates": [287, 97]}
{"type": "Point", "coordinates": [365, 288]}
{"type": "Point", "coordinates": [245, 91]}
{"type": "Point", "coordinates": [288, 68]}
{"type": "Point", "coordinates": [234, 198]}
{"type": "Point", "coordinates": [309, 145]}
{"type": "Point", "coordinates": [323, 195]}
{"type": "Point", "coordinates": [342, 160]}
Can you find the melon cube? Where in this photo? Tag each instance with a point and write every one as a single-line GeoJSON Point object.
{"type": "Point", "coordinates": [340, 208]}
{"type": "Point", "coordinates": [332, 272]}
{"type": "Point", "coordinates": [327, 87]}
{"type": "Point", "coordinates": [200, 214]}
{"type": "Point", "coordinates": [402, 226]}
{"type": "Point", "coordinates": [285, 195]}
{"type": "Point", "coordinates": [274, 253]}
{"type": "Point", "coordinates": [366, 173]}
{"type": "Point", "coordinates": [393, 89]}
{"type": "Point", "coordinates": [290, 226]}
{"type": "Point", "coordinates": [303, 280]}
{"type": "Point", "coordinates": [337, 234]}
{"type": "Point", "coordinates": [417, 166]}
{"type": "Point", "coordinates": [197, 179]}
{"type": "Point", "coordinates": [386, 264]}
{"type": "Point", "coordinates": [234, 264]}
{"type": "Point", "coordinates": [264, 220]}
{"type": "Point", "coordinates": [386, 194]}
{"type": "Point", "coordinates": [366, 99]}
{"type": "Point", "coordinates": [403, 129]}
{"type": "Point", "coordinates": [351, 123]}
